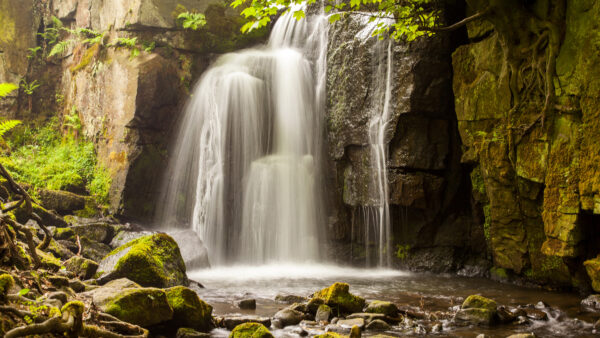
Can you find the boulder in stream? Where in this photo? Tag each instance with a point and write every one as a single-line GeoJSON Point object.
{"type": "Point", "coordinates": [153, 260]}
{"type": "Point", "coordinates": [250, 330]}
{"type": "Point", "coordinates": [287, 317]}
{"type": "Point", "coordinates": [477, 310]}
{"type": "Point", "coordinates": [188, 309]}
{"type": "Point", "coordinates": [323, 313]}
{"type": "Point", "coordinates": [386, 308]}
{"type": "Point", "coordinates": [337, 296]}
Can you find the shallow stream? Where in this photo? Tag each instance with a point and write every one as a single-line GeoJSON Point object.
{"type": "Point", "coordinates": [425, 293]}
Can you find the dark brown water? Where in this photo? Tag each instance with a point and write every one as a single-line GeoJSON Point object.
{"type": "Point", "coordinates": [422, 292]}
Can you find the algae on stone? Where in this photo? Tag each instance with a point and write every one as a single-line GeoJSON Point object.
{"type": "Point", "coordinates": [188, 309]}
{"type": "Point", "coordinates": [338, 297]}
{"type": "Point", "coordinates": [250, 330]}
{"type": "Point", "coordinates": [153, 260]}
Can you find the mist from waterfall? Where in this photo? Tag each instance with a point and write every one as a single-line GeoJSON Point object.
{"type": "Point", "coordinates": [245, 170]}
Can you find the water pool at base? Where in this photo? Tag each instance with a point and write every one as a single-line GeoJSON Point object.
{"type": "Point", "coordinates": [428, 293]}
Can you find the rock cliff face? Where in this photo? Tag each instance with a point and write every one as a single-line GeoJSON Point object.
{"type": "Point", "coordinates": [127, 104]}
{"type": "Point", "coordinates": [430, 210]}
{"type": "Point", "coordinates": [535, 178]}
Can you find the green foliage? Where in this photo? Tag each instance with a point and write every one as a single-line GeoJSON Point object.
{"type": "Point", "coordinates": [402, 251]}
{"type": "Point", "coordinates": [72, 121]}
{"type": "Point", "coordinates": [404, 19]}
{"type": "Point", "coordinates": [129, 43]}
{"type": "Point", "coordinates": [33, 52]}
{"type": "Point", "coordinates": [191, 20]}
{"type": "Point", "coordinates": [7, 88]}
{"type": "Point", "coordinates": [29, 87]}
{"type": "Point", "coordinates": [6, 126]}
{"type": "Point", "coordinates": [43, 158]}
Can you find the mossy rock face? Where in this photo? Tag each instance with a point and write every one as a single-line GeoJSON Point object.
{"type": "Point", "coordinates": [386, 308]}
{"type": "Point", "coordinates": [338, 296]}
{"type": "Point", "coordinates": [84, 268]}
{"type": "Point", "coordinates": [93, 250]}
{"type": "Point", "coordinates": [144, 307]}
{"type": "Point", "coordinates": [153, 260]}
{"type": "Point", "coordinates": [48, 260]}
{"type": "Point", "coordinates": [592, 267]}
{"type": "Point", "coordinates": [188, 309]}
{"type": "Point", "coordinates": [48, 218]}
{"type": "Point", "coordinates": [99, 232]}
{"type": "Point", "coordinates": [250, 330]}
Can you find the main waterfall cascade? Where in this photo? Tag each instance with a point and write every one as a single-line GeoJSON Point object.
{"type": "Point", "coordinates": [245, 169]}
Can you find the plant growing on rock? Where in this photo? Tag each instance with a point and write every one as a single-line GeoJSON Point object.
{"type": "Point", "coordinates": [29, 88]}
{"type": "Point", "coordinates": [190, 20]}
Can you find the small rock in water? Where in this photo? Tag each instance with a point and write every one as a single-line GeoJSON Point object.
{"type": "Point", "coordinates": [592, 302]}
{"type": "Point", "coordinates": [378, 325]}
{"type": "Point", "coordinates": [277, 324]}
{"type": "Point", "coordinates": [289, 317]}
{"type": "Point", "coordinates": [522, 335]}
{"type": "Point", "coordinates": [231, 322]}
{"type": "Point", "coordinates": [190, 333]}
{"type": "Point", "coordinates": [437, 328]}
{"type": "Point", "coordinates": [349, 323]}
{"type": "Point", "coordinates": [323, 313]}
{"type": "Point", "coordinates": [290, 299]}
{"type": "Point", "coordinates": [536, 314]}
{"type": "Point", "coordinates": [368, 317]}
{"type": "Point", "coordinates": [505, 316]}
{"type": "Point", "coordinates": [355, 332]}
{"type": "Point", "coordinates": [298, 307]}
{"type": "Point", "coordinates": [335, 320]}
{"type": "Point", "coordinates": [386, 308]}
{"type": "Point", "coordinates": [541, 305]}
{"type": "Point", "coordinates": [247, 304]}
{"type": "Point", "coordinates": [300, 331]}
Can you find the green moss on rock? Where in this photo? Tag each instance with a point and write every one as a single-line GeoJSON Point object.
{"type": "Point", "coordinates": [82, 267]}
{"type": "Point", "coordinates": [188, 309]}
{"type": "Point", "coordinates": [383, 307]}
{"type": "Point", "coordinates": [338, 297]}
{"type": "Point", "coordinates": [153, 260]}
{"type": "Point", "coordinates": [479, 302]}
{"type": "Point", "coordinates": [250, 330]}
{"type": "Point", "coordinates": [141, 306]}
{"type": "Point", "coordinates": [6, 282]}
{"type": "Point", "coordinates": [592, 267]}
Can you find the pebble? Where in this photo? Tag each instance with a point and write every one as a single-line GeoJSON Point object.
{"type": "Point", "coordinates": [247, 304]}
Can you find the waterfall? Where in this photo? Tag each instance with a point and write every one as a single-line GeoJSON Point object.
{"type": "Point", "coordinates": [245, 169]}
{"type": "Point", "coordinates": [376, 217]}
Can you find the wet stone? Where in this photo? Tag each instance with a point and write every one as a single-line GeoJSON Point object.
{"type": "Point", "coordinates": [323, 313]}
{"type": "Point", "coordinates": [367, 317]}
{"type": "Point", "coordinates": [231, 322]}
{"type": "Point", "coordinates": [378, 325]}
{"type": "Point", "coordinates": [247, 304]}
{"type": "Point", "coordinates": [592, 302]}
{"type": "Point", "coordinates": [58, 295]}
{"type": "Point", "coordinates": [349, 323]}
{"type": "Point", "coordinates": [536, 314]}
{"type": "Point", "coordinates": [290, 299]}
{"type": "Point", "coordinates": [289, 317]}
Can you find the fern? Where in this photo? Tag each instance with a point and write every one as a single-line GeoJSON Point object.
{"type": "Point", "coordinates": [6, 88]}
{"type": "Point", "coordinates": [60, 47]}
{"type": "Point", "coordinates": [6, 126]}
{"type": "Point", "coordinates": [191, 20]}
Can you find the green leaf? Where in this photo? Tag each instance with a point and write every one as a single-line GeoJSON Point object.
{"type": "Point", "coordinates": [23, 292]}
{"type": "Point", "coordinates": [299, 14]}
{"type": "Point", "coordinates": [7, 88]}
{"type": "Point", "coordinates": [328, 8]}
{"type": "Point", "coordinates": [334, 17]}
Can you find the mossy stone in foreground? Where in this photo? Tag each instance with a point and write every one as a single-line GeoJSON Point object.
{"type": "Point", "coordinates": [330, 335]}
{"type": "Point", "coordinates": [250, 330]}
{"type": "Point", "coordinates": [188, 309]}
{"type": "Point", "coordinates": [477, 310]}
{"type": "Point", "coordinates": [153, 260]}
{"type": "Point", "coordinates": [82, 267]}
{"type": "Point", "coordinates": [141, 306]}
{"type": "Point", "coordinates": [337, 296]}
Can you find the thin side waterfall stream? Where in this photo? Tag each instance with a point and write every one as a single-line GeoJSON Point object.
{"type": "Point", "coordinates": [246, 177]}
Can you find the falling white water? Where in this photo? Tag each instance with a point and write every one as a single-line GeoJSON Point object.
{"type": "Point", "coordinates": [245, 168]}
{"type": "Point", "coordinates": [377, 216]}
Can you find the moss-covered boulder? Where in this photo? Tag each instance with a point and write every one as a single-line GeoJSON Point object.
{"type": "Point", "coordinates": [330, 335]}
{"type": "Point", "coordinates": [93, 250]}
{"type": "Point", "coordinates": [338, 297]}
{"type": "Point", "coordinates": [132, 303]}
{"type": "Point", "coordinates": [49, 218]}
{"type": "Point", "coordinates": [153, 260]}
{"type": "Point", "coordinates": [188, 309]}
{"type": "Point", "coordinates": [99, 232]}
{"type": "Point", "coordinates": [250, 330]}
{"type": "Point", "coordinates": [82, 267]}
{"type": "Point", "coordinates": [383, 307]}
{"type": "Point", "coordinates": [186, 332]}
{"type": "Point", "coordinates": [477, 310]}
{"type": "Point", "coordinates": [60, 201]}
